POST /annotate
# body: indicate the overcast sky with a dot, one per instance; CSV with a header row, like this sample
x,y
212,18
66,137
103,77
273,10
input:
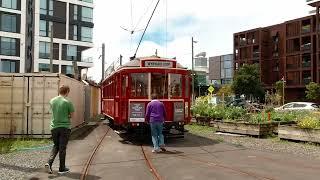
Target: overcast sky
x,y
211,23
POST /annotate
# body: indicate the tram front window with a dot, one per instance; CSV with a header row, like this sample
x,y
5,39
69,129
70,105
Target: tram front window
x,y
139,85
175,85
159,85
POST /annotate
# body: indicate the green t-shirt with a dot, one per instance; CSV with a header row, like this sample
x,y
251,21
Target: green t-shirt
x,y
61,109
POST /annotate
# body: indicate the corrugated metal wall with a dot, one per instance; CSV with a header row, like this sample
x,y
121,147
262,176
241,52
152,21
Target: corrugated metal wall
x,y
24,102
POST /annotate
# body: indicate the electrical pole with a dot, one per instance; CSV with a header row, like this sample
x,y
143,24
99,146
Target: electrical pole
x,y
192,71
51,49
103,61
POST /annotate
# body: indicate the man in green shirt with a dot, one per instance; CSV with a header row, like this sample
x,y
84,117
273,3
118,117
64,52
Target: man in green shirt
x,y
62,111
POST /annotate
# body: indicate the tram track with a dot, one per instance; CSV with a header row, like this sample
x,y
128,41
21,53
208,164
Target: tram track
x,y
87,165
146,158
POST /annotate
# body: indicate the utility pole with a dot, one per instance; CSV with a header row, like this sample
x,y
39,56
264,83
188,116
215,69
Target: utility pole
x,y
51,49
120,60
103,61
192,71
283,89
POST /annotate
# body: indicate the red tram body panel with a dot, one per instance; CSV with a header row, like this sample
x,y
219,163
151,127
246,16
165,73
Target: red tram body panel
x,y
127,91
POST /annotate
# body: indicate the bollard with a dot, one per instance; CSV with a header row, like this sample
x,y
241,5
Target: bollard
x,y
269,117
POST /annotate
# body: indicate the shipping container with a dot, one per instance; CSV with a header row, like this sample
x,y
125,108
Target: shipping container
x,y
92,101
24,103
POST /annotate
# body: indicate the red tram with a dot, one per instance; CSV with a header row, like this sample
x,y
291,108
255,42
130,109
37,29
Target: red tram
x,y
127,91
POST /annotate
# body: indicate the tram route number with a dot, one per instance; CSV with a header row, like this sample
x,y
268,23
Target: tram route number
x,y
136,112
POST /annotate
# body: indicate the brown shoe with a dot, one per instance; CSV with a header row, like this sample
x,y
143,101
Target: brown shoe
x,y
162,148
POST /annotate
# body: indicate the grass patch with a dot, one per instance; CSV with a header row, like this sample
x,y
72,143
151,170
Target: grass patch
x,y
199,129
10,145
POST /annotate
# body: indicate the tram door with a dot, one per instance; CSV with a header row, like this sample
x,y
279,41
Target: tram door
x,y
159,85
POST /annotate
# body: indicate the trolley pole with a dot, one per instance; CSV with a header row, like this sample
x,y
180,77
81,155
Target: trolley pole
x,y
51,50
103,61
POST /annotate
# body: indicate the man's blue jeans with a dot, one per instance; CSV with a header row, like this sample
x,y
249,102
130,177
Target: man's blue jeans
x,y
156,133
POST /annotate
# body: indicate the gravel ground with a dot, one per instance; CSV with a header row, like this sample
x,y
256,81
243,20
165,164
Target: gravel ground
x,y
271,144
18,165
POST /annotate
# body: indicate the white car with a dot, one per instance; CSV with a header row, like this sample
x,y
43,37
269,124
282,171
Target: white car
x,y
293,106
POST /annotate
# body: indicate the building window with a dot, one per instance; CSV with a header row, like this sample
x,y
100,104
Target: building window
x,y
45,28
75,32
86,14
75,12
10,66
8,46
8,22
88,1
68,70
46,7
11,4
46,68
71,52
44,50
86,34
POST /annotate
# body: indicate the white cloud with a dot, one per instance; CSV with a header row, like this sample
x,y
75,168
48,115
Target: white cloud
x,y
213,25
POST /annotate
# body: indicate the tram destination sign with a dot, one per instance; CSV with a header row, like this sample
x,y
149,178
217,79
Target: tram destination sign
x,y
164,64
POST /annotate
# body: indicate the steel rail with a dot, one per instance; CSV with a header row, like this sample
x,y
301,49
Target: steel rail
x,y
85,169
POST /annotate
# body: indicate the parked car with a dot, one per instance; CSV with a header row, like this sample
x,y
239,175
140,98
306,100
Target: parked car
x,y
294,106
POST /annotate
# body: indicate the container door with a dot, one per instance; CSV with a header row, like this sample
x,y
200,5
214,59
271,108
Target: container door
x,y
42,90
88,98
13,91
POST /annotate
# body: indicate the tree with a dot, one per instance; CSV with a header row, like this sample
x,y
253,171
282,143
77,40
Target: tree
x,y
313,91
225,90
247,82
279,88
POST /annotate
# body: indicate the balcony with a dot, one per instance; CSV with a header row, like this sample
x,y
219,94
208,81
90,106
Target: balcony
x,y
306,80
306,29
243,41
306,64
256,54
87,60
306,47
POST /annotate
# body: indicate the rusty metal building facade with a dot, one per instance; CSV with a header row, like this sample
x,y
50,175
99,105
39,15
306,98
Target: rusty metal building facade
x,y
289,50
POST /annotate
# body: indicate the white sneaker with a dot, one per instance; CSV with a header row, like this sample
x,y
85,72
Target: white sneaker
x,y
156,150
49,168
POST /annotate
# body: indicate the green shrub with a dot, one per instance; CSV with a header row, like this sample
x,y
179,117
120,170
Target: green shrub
x,y
309,122
233,113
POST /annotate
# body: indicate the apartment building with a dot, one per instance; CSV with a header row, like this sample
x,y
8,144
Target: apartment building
x,y
221,69
12,41
34,22
289,50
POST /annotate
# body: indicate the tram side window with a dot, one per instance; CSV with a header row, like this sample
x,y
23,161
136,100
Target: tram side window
x,y
175,85
159,85
139,85
124,85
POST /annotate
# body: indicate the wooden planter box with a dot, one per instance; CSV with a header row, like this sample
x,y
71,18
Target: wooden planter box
x,y
296,133
275,130
246,128
203,120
